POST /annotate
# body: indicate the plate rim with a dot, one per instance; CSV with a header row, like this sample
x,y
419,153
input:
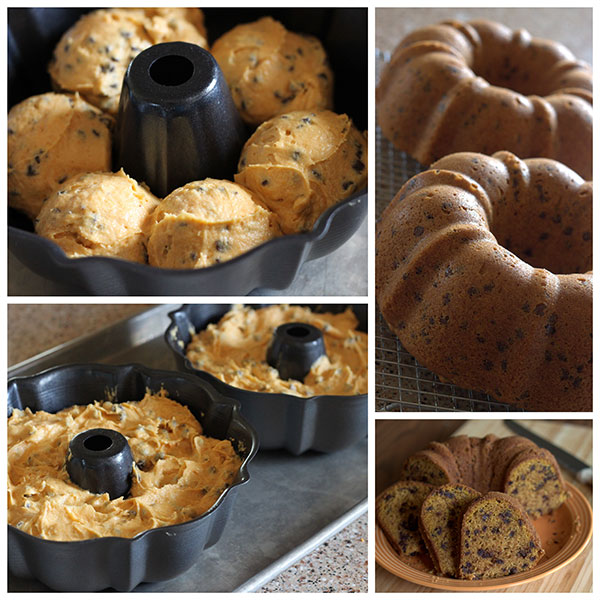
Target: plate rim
x,y
462,585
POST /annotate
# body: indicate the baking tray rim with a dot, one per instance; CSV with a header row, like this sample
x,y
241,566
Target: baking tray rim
x,y
282,562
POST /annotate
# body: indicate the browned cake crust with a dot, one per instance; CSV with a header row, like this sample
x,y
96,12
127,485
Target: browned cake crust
x,y
466,256
480,86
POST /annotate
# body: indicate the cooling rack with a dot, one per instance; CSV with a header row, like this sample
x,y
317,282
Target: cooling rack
x,y
401,383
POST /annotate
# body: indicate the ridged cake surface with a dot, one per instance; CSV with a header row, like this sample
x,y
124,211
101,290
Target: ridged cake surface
x,y
480,86
483,271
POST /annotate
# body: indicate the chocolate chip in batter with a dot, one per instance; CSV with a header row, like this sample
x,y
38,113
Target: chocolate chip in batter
x,y
358,166
222,246
31,171
284,99
347,184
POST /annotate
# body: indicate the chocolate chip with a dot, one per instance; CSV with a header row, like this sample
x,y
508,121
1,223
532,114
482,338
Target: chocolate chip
x,y
284,99
31,171
222,246
358,166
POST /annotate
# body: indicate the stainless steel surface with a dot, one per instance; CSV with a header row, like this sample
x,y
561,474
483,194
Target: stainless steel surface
x,y
565,459
290,505
341,273
401,383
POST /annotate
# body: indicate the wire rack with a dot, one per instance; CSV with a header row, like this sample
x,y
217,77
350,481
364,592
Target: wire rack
x,y
401,384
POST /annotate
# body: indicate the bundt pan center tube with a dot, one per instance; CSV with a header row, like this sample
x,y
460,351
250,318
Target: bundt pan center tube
x,y
156,554
294,349
177,121
483,271
177,124
100,460
323,423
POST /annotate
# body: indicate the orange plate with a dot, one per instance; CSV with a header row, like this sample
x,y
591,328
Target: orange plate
x,y
564,534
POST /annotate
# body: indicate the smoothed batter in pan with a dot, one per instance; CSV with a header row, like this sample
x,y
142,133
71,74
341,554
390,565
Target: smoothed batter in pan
x,y
235,349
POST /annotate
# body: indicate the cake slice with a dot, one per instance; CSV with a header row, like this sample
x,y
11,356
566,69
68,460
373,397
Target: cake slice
x,y
534,479
434,465
439,523
497,539
397,511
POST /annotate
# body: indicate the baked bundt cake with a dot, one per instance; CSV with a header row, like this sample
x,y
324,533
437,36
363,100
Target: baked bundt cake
x,y
397,511
513,465
480,86
440,523
497,539
466,256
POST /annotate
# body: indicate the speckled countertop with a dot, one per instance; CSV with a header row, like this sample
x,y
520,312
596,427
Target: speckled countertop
x,y
337,565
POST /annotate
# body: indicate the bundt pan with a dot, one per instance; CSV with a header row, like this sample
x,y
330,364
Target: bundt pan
x,y
33,33
320,423
154,555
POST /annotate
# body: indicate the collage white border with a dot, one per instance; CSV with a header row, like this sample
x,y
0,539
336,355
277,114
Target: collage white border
x,y
372,5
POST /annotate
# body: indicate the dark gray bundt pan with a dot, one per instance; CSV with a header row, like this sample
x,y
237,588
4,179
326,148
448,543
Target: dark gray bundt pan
x,y
321,423
154,555
33,32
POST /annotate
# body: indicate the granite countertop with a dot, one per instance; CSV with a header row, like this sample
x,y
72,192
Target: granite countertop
x,y
338,565
570,26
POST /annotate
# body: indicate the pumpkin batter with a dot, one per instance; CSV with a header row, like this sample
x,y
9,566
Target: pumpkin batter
x,y
235,349
178,473
271,70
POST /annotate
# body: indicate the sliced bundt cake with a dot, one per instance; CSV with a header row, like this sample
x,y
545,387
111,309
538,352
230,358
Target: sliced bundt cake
x,y
534,479
483,271
513,465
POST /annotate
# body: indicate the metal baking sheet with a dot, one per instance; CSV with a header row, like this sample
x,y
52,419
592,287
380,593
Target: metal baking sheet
x,y
289,506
